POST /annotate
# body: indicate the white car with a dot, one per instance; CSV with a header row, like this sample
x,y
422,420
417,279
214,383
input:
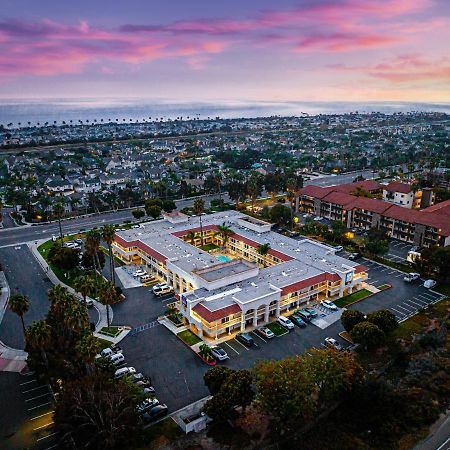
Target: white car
x,y
136,226
330,342
429,284
219,353
329,305
267,333
120,373
139,273
108,352
317,219
339,248
411,277
117,358
162,289
285,322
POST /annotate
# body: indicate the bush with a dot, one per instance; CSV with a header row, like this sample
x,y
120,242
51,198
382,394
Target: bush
x,y
350,318
384,320
138,213
368,335
64,258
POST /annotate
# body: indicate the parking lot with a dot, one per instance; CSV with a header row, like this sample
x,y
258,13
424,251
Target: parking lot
x,y
398,251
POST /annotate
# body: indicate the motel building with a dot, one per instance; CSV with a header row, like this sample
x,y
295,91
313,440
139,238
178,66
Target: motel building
x,y
231,284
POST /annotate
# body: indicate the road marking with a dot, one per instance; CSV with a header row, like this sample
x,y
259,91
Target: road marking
x,y
439,448
232,348
39,396
401,307
408,307
39,406
34,389
257,335
414,303
390,273
42,415
427,295
242,345
46,437
53,446
28,382
43,426
421,301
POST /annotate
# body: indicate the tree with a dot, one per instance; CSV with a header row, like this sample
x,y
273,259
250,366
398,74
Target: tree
x,y
263,250
108,296
92,248
384,320
215,377
138,213
350,318
58,210
199,208
377,242
281,214
254,187
96,412
168,205
85,285
108,234
19,304
154,211
337,228
38,337
236,191
205,352
64,258
87,348
368,335
225,232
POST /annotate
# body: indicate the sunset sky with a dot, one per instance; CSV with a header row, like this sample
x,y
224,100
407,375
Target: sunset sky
x,y
204,50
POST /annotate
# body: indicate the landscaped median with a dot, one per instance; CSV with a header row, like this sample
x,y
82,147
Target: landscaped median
x,y
358,296
277,329
201,349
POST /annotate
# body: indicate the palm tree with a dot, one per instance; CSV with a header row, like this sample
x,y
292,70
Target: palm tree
x,y
199,208
92,247
225,232
19,304
108,296
88,347
1,214
263,250
192,236
58,210
108,234
38,337
84,284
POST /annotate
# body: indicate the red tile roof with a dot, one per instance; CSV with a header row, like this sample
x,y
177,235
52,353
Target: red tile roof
x,y
367,185
371,204
396,186
211,316
127,244
315,191
340,198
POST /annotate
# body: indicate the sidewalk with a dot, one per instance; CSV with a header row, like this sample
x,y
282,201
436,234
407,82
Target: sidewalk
x,y
11,359
101,309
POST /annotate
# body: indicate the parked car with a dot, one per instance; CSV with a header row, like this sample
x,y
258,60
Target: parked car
x,y
285,322
317,219
148,389
297,320
305,316
311,311
78,241
120,373
329,305
109,351
146,404
162,289
155,413
266,332
139,273
330,342
117,358
219,353
354,256
89,303
339,248
412,276
246,339
147,278
429,284
136,377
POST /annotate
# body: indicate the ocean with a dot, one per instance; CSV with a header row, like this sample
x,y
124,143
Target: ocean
x,y
50,110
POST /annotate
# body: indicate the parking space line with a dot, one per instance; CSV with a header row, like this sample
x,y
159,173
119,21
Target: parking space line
x,y
39,406
398,312
414,303
401,307
34,389
42,415
423,302
39,396
390,273
409,307
43,426
257,335
232,348
46,437
242,345
426,295
28,382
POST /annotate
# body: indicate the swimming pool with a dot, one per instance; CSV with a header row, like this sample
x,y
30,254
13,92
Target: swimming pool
x,y
223,258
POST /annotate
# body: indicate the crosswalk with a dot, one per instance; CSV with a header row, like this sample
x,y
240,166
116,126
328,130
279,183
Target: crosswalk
x,y
144,327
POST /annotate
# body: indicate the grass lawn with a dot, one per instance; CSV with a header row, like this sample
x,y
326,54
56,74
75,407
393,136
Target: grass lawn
x,y
344,301
209,247
384,286
111,331
118,262
103,343
161,434
189,337
277,329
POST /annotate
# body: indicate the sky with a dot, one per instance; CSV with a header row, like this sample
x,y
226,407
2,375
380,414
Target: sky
x,y
210,50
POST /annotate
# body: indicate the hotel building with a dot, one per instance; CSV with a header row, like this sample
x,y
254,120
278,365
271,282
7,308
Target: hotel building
x,y
229,284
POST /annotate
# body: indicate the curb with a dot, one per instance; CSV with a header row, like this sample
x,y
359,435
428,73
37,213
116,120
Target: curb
x,y
209,363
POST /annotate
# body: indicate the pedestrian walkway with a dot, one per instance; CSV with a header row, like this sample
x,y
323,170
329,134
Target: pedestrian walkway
x,y
101,309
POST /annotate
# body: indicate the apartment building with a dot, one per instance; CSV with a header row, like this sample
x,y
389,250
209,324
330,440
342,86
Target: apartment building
x,y
232,282
427,227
